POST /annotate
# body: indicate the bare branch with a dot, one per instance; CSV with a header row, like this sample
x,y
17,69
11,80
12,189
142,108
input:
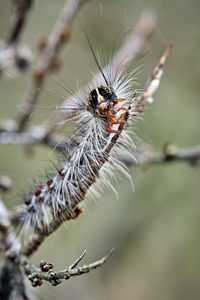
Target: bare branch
x,y
12,285
33,244
171,153
143,155
76,262
152,84
56,278
56,40
17,20
14,54
14,57
10,133
11,276
9,241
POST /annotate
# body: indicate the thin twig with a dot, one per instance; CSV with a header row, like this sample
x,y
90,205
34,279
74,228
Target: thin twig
x,y
56,40
152,83
20,9
12,284
9,241
14,54
171,153
11,276
76,262
36,134
10,134
55,278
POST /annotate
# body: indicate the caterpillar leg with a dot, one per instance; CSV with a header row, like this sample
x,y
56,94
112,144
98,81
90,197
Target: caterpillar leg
x,y
117,121
112,130
121,100
113,121
120,117
122,108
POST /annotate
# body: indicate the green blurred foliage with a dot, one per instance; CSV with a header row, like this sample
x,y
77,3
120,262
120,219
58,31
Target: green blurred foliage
x,y
155,229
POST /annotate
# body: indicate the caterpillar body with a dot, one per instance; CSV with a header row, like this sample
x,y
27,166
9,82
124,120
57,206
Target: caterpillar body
x,y
101,113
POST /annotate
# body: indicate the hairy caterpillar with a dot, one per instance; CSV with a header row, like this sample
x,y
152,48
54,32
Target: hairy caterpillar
x,y
101,113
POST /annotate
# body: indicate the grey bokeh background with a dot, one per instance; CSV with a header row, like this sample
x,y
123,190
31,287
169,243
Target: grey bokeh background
x,y
155,230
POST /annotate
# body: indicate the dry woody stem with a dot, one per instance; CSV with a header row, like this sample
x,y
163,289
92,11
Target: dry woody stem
x,y
152,83
58,37
20,9
170,154
55,278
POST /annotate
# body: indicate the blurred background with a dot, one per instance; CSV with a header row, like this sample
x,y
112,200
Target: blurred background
x,y
155,229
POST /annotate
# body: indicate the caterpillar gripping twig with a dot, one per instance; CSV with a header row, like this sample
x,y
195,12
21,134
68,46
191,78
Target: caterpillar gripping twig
x,y
102,119
100,116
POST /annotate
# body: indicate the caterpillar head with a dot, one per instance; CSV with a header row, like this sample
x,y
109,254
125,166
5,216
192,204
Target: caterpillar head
x,y
101,100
